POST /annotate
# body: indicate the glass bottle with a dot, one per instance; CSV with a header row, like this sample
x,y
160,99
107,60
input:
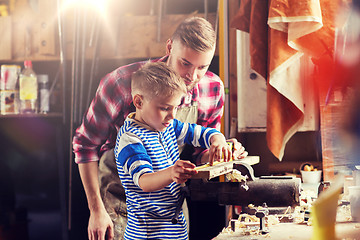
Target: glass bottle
x,y
28,89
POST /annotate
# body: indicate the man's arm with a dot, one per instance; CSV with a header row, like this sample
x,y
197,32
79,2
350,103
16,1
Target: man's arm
x,y
214,121
110,105
92,133
99,222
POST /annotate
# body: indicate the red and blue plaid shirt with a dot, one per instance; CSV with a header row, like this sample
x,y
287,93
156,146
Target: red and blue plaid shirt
x,y
113,102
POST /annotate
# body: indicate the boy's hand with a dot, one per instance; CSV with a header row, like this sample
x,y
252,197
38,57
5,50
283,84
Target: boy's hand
x,y
219,149
182,171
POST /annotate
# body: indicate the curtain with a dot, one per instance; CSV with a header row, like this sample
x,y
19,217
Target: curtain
x,y
281,31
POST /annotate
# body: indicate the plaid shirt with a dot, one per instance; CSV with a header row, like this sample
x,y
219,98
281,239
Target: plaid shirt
x,y
113,102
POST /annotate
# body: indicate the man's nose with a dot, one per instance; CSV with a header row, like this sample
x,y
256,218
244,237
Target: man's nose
x,y
191,74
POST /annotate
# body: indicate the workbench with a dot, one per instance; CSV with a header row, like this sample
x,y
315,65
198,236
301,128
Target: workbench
x,y
295,231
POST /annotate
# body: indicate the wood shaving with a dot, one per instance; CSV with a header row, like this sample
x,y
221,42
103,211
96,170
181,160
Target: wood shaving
x,y
236,176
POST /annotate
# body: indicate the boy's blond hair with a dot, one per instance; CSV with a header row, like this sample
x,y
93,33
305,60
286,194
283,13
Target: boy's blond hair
x,y
156,79
196,33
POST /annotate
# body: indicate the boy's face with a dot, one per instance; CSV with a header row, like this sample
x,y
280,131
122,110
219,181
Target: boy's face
x,y
158,112
188,63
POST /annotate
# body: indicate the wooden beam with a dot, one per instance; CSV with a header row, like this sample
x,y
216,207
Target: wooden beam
x,y
46,27
233,8
5,38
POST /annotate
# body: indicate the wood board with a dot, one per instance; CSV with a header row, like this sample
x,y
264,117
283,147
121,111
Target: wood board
x,y
207,172
216,170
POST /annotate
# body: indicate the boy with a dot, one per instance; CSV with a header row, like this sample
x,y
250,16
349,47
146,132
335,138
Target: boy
x,y
147,154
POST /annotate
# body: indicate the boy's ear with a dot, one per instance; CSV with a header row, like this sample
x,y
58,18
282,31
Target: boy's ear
x,y
138,101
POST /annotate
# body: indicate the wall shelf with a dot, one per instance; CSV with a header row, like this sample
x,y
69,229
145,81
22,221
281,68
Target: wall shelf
x,y
32,115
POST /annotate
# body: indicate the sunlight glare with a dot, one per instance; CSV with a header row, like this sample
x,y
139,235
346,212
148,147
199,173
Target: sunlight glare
x,y
99,5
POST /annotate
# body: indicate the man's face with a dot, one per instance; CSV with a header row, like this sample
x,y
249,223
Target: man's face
x,y
159,112
190,64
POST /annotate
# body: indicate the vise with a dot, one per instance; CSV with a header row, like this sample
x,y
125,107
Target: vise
x,y
274,191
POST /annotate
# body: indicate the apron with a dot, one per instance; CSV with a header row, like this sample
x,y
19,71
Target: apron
x,y
111,190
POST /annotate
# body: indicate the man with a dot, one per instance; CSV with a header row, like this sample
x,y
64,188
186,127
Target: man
x,y
189,52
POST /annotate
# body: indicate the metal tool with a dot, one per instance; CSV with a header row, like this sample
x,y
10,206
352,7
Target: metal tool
x,y
261,214
275,192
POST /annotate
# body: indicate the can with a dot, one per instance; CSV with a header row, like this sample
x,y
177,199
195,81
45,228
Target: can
x,y
9,93
9,76
9,101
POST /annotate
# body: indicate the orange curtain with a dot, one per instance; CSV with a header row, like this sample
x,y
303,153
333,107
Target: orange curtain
x,y
292,27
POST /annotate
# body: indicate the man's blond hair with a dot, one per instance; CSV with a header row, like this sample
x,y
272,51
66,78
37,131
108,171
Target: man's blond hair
x,y
196,33
156,79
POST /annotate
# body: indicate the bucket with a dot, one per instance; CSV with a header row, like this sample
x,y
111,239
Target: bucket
x,y
354,193
311,176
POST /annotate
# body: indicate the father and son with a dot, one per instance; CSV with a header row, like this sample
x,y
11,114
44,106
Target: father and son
x,y
147,128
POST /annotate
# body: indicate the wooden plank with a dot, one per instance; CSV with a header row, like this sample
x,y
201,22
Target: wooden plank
x,y
251,160
136,36
208,172
34,33
5,38
218,169
130,37
22,27
46,27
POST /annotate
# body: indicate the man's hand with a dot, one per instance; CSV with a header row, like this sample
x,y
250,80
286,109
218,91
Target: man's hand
x,y
182,171
100,226
238,150
100,223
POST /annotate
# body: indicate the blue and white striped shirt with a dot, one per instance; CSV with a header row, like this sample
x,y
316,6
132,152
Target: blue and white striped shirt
x,y
141,150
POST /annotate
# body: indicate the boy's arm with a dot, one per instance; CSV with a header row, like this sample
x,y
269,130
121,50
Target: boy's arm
x,y
180,172
193,134
131,155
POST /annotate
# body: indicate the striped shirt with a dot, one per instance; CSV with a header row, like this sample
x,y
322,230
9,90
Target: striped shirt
x,y
140,150
113,102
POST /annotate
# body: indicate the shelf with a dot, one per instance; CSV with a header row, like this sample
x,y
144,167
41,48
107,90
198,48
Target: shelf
x,y
33,115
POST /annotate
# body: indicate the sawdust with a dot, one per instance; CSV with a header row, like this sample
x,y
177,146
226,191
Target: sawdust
x,y
236,176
